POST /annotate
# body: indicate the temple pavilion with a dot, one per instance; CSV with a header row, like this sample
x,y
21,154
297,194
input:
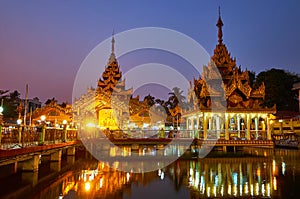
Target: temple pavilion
x,y
225,103
111,105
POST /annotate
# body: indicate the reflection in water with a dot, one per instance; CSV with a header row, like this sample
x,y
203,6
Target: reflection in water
x,y
231,177
273,174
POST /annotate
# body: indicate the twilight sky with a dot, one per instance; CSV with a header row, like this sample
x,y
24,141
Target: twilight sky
x,y
43,43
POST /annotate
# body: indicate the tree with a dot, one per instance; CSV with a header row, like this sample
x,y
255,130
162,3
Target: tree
x,y
150,100
251,77
53,100
11,101
278,89
176,97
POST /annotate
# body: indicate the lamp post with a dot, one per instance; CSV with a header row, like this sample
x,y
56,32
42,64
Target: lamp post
x,y
64,138
19,122
42,130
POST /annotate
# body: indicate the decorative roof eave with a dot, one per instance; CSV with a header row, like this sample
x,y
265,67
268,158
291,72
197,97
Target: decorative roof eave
x,y
230,110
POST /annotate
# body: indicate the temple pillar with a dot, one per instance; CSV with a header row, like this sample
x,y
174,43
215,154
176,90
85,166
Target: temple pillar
x,y
269,133
205,126
248,118
226,127
238,120
197,130
256,126
218,126
193,128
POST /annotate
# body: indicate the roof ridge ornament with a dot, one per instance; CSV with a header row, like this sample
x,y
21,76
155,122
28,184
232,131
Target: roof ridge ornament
x,y
112,57
219,25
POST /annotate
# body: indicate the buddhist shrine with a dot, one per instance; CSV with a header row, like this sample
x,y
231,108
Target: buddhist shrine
x,y
225,103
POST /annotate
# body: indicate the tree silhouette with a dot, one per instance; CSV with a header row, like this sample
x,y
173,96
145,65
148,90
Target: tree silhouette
x,y
278,89
11,101
53,100
150,100
176,97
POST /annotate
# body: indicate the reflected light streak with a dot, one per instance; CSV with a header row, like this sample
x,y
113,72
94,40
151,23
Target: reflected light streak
x,y
229,189
246,188
268,190
251,189
197,179
101,183
162,176
87,186
283,168
222,190
241,189
235,190
263,191
274,166
274,183
256,189
215,190
127,176
208,191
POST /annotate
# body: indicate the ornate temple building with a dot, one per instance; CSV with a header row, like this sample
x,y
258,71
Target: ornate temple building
x,y
225,103
111,105
53,113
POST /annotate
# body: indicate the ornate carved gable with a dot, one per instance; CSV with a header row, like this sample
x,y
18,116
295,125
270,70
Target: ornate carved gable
x,y
223,60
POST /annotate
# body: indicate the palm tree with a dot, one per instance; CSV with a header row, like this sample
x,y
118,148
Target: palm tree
x,y
176,97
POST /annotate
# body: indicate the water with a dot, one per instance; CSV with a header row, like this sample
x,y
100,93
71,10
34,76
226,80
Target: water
x,y
256,173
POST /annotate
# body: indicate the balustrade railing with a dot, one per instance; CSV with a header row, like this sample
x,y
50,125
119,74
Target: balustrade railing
x,y
199,134
20,136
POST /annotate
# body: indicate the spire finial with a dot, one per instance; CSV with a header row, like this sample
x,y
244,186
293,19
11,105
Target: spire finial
x,y
113,42
219,25
112,57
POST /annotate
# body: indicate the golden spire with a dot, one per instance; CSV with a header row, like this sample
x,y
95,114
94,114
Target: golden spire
x,y
112,57
113,42
219,25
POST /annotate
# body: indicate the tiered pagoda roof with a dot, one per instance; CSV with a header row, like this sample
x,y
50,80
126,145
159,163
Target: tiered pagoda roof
x,y
224,82
111,77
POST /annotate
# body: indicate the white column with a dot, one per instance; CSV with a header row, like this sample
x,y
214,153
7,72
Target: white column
x,y
238,120
256,126
268,129
209,123
205,126
218,126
